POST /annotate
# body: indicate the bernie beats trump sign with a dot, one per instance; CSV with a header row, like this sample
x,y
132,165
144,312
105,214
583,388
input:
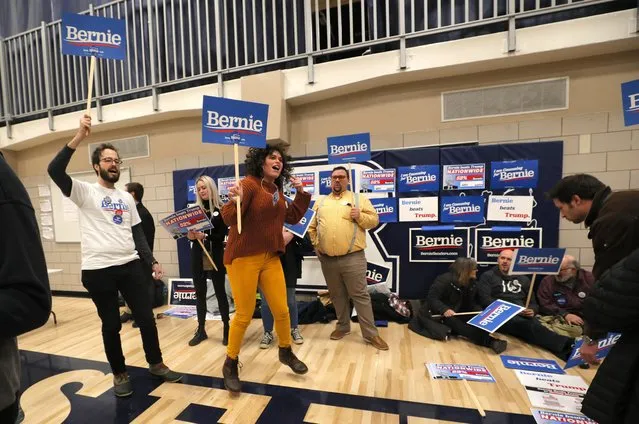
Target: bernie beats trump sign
x,y
84,35
228,121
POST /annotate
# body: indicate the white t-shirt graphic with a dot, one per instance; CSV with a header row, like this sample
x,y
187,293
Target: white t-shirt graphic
x,y
106,218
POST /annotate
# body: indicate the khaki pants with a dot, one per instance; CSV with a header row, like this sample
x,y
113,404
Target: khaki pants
x,y
346,279
559,325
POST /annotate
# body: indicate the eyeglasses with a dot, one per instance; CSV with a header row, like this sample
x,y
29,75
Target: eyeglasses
x,y
111,161
338,177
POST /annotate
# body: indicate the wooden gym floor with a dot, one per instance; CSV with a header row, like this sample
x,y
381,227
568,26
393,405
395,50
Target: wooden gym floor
x,y
65,377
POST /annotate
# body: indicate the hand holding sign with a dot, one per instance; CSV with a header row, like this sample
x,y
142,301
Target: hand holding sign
x,y
158,272
355,213
235,193
195,235
588,352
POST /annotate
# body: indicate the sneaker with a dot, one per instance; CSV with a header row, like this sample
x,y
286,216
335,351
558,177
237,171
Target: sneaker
x,y
122,385
163,372
297,336
267,339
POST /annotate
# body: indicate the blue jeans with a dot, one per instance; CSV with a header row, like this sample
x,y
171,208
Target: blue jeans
x,y
267,317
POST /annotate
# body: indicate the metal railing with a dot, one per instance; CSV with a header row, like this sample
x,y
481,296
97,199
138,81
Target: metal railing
x,y
173,44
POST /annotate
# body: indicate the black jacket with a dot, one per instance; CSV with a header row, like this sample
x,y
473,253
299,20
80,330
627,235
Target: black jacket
x,y
493,285
446,293
612,306
25,296
292,259
148,225
214,243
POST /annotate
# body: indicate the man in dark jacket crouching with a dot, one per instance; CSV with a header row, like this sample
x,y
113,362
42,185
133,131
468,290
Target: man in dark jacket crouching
x,y
613,304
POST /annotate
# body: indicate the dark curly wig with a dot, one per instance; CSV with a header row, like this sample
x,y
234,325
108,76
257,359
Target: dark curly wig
x,y
255,158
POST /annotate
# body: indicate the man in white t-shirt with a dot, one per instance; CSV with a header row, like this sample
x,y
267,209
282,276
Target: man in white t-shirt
x,y
113,245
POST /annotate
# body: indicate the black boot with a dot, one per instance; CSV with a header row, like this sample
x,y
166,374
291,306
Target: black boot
x,y
200,335
287,357
225,337
231,375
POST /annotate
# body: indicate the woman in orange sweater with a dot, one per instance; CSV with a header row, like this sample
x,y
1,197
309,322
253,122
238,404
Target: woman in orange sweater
x,y
252,258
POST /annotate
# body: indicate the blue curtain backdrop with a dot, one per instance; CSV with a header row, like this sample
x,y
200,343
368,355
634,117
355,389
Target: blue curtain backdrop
x,y
416,277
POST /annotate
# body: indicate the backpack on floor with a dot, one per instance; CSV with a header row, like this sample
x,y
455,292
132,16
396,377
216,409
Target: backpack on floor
x,y
160,293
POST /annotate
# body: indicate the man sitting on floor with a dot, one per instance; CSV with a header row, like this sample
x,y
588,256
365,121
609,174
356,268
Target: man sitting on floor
x,y
561,298
497,284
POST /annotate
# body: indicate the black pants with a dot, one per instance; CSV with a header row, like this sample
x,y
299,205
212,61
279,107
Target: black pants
x,y
220,294
460,327
10,413
103,286
531,331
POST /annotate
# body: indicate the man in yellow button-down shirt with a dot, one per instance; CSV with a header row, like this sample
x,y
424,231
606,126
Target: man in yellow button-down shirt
x,y
338,233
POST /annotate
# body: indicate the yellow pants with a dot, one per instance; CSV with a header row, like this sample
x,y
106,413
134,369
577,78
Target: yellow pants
x,y
245,274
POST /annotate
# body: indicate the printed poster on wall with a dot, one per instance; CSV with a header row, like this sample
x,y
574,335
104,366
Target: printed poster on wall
x,y
386,209
418,178
223,185
490,241
630,102
464,177
376,274
514,174
438,244
308,182
510,208
325,182
412,209
462,209
377,181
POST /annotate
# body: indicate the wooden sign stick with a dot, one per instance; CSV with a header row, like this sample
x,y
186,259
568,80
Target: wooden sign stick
x,y
90,82
530,290
474,398
207,254
459,313
237,179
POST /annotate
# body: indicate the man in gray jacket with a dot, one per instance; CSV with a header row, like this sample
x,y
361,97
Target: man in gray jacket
x,y
25,297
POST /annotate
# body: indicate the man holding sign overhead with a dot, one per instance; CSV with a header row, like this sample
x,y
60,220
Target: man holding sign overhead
x,y
113,242
252,256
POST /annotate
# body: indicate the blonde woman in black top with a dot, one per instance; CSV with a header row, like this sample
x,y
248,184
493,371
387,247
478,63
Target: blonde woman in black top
x,y
213,240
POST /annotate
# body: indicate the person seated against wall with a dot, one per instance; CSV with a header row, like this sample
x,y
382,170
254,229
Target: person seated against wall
x,y
496,284
455,292
292,266
561,298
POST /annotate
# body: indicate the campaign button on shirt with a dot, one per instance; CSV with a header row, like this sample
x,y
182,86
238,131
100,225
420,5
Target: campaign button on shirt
x,y
117,219
581,295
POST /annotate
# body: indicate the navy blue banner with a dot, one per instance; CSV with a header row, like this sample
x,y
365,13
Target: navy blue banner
x,y
462,209
438,244
349,148
386,209
539,261
418,178
515,174
490,241
190,186
228,121
630,101
85,35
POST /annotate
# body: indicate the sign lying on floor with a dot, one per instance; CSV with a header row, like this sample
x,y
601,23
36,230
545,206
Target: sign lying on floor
x,y
551,391
459,372
603,348
532,364
550,417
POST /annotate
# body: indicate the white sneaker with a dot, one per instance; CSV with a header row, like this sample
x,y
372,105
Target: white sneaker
x,y
267,339
297,336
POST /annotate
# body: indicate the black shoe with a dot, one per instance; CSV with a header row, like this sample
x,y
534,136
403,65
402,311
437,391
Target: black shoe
x,y
225,337
200,335
287,357
125,316
122,385
231,375
498,346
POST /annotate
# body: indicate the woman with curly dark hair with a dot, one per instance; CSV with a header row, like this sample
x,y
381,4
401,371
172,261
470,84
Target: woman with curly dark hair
x,y
252,257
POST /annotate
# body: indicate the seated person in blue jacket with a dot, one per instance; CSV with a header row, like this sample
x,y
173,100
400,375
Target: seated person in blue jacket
x,y
292,266
455,292
497,284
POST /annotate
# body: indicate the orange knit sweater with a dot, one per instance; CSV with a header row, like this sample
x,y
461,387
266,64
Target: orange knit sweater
x,y
262,221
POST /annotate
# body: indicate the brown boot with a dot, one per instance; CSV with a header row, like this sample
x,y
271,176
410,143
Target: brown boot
x,y
287,357
231,375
